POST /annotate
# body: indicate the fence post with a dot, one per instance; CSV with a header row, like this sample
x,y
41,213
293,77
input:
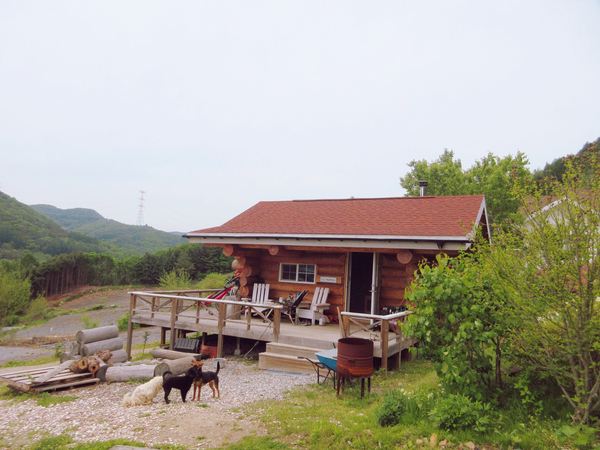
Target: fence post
x,y
221,325
174,306
276,324
132,302
385,328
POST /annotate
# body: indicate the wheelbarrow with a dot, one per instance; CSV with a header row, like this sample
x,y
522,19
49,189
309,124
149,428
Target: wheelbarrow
x,y
326,366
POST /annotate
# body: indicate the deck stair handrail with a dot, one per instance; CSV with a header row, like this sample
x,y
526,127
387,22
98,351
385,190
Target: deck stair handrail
x,y
377,326
167,303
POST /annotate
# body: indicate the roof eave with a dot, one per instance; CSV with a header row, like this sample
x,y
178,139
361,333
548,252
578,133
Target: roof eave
x,y
342,241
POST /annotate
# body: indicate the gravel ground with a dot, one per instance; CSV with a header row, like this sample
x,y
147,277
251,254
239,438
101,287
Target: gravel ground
x,y
97,413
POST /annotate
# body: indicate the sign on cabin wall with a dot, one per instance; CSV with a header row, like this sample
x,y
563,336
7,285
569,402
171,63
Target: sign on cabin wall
x,y
328,280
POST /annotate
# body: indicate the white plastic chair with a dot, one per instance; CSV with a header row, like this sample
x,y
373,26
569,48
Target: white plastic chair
x,y
317,306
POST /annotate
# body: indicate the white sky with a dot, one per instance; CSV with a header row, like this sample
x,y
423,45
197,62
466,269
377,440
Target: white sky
x,y
211,107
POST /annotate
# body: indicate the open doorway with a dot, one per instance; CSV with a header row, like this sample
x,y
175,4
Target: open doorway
x,y
361,278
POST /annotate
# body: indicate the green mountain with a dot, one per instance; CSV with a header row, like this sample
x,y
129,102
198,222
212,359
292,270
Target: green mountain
x,y
89,223
24,230
139,238
69,219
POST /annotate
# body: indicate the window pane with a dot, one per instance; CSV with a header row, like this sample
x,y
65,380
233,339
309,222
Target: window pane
x,y
288,272
306,273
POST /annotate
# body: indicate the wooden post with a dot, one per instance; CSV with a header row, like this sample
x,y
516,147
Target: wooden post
x,y
276,324
346,324
153,307
248,317
174,306
222,319
385,328
163,336
132,301
197,312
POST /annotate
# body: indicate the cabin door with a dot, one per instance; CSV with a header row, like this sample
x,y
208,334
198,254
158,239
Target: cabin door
x,y
362,283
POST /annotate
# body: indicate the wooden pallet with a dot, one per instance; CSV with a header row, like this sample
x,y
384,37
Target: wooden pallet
x,y
24,380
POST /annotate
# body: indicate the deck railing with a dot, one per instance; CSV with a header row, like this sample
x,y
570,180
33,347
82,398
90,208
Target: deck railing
x,y
378,328
188,304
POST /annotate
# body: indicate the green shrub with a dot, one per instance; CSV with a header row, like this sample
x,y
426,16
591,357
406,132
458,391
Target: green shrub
x,y
459,412
393,407
175,280
87,323
123,323
214,281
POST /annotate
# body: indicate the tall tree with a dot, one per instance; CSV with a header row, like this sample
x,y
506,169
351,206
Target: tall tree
x,y
491,176
549,272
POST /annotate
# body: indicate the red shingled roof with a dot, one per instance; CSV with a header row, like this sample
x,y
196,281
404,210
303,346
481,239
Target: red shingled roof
x,y
401,216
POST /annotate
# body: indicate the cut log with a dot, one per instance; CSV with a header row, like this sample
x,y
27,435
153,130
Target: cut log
x,y
411,269
97,334
93,364
278,250
171,354
248,261
250,271
244,291
78,366
249,281
67,356
404,256
75,348
129,373
108,344
101,373
118,356
235,265
228,249
103,355
175,366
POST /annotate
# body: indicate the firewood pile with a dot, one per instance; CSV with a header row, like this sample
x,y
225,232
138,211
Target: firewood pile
x,y
89,342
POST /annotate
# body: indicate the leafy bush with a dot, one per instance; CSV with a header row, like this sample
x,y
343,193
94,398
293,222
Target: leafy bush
x,y
123,323
214,281
457,411
87,323
393,407
175,280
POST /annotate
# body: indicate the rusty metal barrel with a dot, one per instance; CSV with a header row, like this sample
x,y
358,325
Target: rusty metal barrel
x,y
355,358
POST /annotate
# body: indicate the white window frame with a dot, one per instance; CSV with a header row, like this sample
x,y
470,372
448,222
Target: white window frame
x,y
297,273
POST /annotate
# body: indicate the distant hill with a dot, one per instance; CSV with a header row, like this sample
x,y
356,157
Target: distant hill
x,y
140,239
69,219
556,168
24,230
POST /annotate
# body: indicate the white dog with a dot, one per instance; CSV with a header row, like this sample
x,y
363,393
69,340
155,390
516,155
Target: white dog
x,y
144,393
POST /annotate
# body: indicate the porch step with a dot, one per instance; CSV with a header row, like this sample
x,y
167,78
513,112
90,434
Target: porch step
x,y
286,357
292,350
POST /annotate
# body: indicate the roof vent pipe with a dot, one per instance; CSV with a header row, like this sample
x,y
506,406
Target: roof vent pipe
x,y
423,187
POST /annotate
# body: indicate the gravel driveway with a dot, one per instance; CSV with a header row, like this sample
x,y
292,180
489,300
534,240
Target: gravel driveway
x,y
97,413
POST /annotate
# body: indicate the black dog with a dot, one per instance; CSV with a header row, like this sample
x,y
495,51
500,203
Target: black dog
x,y
181,382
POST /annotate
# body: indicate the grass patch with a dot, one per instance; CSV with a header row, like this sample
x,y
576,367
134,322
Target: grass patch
x,y
314,418
45,399
65,442
31,362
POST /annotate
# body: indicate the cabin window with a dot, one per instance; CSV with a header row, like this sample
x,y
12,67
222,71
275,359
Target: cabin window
x,y
298,273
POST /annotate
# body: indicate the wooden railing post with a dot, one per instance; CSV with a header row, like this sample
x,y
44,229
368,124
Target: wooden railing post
x,y
346,323
153,307
385,328
276,324
221,325
174,306
132,302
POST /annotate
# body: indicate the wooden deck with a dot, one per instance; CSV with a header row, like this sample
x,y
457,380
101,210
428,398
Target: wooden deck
x,y
190,311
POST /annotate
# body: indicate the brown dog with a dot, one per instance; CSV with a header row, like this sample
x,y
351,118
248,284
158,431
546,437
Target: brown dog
x,y
202,378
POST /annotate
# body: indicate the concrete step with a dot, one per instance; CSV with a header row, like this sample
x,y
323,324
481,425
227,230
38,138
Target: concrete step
x,y
288,363
292,350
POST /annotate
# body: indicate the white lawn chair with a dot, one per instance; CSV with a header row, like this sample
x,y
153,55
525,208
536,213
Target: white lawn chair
x,y
260,295
314,311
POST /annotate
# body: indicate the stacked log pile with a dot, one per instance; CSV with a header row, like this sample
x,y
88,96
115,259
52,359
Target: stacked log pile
x,y
90,342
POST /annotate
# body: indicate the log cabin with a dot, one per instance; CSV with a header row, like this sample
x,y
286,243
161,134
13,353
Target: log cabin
x,y
366,251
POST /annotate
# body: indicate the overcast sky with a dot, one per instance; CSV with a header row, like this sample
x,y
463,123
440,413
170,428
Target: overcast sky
x,y
211,107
